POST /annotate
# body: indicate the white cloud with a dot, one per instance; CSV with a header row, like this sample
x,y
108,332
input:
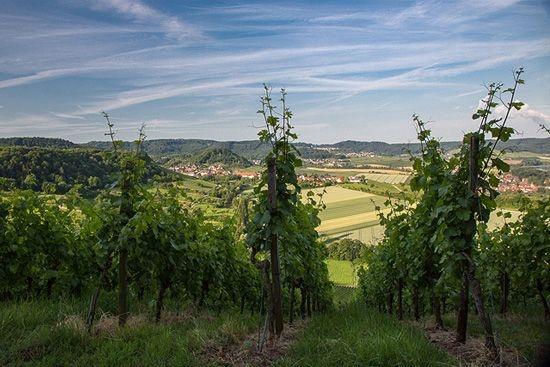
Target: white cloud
x,y
142,12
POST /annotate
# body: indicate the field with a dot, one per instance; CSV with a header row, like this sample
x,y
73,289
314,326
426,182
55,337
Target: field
x,y
351,214
348,210
342,272
374,174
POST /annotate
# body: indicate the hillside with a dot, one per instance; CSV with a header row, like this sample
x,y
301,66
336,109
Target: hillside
x,y
254,149
219,155
37,142
56,170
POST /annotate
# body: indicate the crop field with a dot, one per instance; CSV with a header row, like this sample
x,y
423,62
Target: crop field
x,y
351,214
388,161
347,210
342,272
374,174
368,235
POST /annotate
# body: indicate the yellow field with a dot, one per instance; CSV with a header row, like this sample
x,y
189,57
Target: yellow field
x,y
336,193
374,174
347,210
350,220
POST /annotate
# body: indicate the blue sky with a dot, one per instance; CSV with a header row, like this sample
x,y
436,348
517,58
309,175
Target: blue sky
x,y
194,69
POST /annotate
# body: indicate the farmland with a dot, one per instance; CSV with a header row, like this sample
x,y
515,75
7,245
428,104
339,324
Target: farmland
x,y
348,210
351,214
375,174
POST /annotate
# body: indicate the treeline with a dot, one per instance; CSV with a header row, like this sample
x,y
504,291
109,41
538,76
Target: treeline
x,y
30,142
57,170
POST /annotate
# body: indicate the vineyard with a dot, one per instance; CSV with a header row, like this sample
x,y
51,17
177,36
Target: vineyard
x,y
358,274
438,248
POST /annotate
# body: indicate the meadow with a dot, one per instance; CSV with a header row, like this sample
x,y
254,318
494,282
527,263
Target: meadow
x,y
342,272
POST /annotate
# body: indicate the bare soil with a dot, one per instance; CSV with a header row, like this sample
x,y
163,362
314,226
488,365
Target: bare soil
x,y
246,352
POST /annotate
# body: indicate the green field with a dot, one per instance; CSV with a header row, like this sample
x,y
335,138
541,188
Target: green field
x,y
342,272
347,210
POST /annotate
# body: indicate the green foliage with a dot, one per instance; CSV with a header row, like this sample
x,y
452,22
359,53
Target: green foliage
x,y
39,250
427,244
301,252
57,170
346,249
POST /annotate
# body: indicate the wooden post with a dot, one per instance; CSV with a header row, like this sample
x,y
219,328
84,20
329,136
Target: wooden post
x,y
127,212
400,299
462,317
275,271
95,295
474,282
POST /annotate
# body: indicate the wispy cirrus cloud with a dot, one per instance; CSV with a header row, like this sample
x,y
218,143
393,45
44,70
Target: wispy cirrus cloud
x,y
140,57
141,12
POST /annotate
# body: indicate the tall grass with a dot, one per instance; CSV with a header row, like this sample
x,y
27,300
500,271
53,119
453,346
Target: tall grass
x,y
51,333
356,336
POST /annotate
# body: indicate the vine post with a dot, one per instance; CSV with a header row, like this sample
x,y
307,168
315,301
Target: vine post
x,y
275,271
476,286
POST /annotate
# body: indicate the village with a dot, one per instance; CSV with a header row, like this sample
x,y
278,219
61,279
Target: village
x,y
511,183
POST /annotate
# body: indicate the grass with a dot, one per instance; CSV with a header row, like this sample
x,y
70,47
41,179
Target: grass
x,y
49,333
356,336
523,331
390,161
342,272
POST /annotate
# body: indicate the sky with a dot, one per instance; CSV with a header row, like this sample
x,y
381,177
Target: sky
x,y
353,70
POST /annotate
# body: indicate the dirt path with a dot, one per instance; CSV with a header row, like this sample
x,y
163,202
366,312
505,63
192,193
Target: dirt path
x,y
246,353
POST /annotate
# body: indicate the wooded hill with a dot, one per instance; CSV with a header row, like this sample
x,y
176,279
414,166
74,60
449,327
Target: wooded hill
x,y
208,157
254,149
56,170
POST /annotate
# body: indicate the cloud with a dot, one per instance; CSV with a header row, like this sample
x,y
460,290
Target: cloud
x,y
141,12
137,57
530,113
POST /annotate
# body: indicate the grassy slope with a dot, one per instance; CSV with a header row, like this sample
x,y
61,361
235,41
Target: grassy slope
x,y
356,336
341,272
34,333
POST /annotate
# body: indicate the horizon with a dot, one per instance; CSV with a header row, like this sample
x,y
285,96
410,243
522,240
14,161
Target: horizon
x,y
352,71
246,140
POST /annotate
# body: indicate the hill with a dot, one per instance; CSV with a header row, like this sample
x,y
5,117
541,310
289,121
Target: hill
x,y
56,170
220,155
254,149
37,142
535,145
